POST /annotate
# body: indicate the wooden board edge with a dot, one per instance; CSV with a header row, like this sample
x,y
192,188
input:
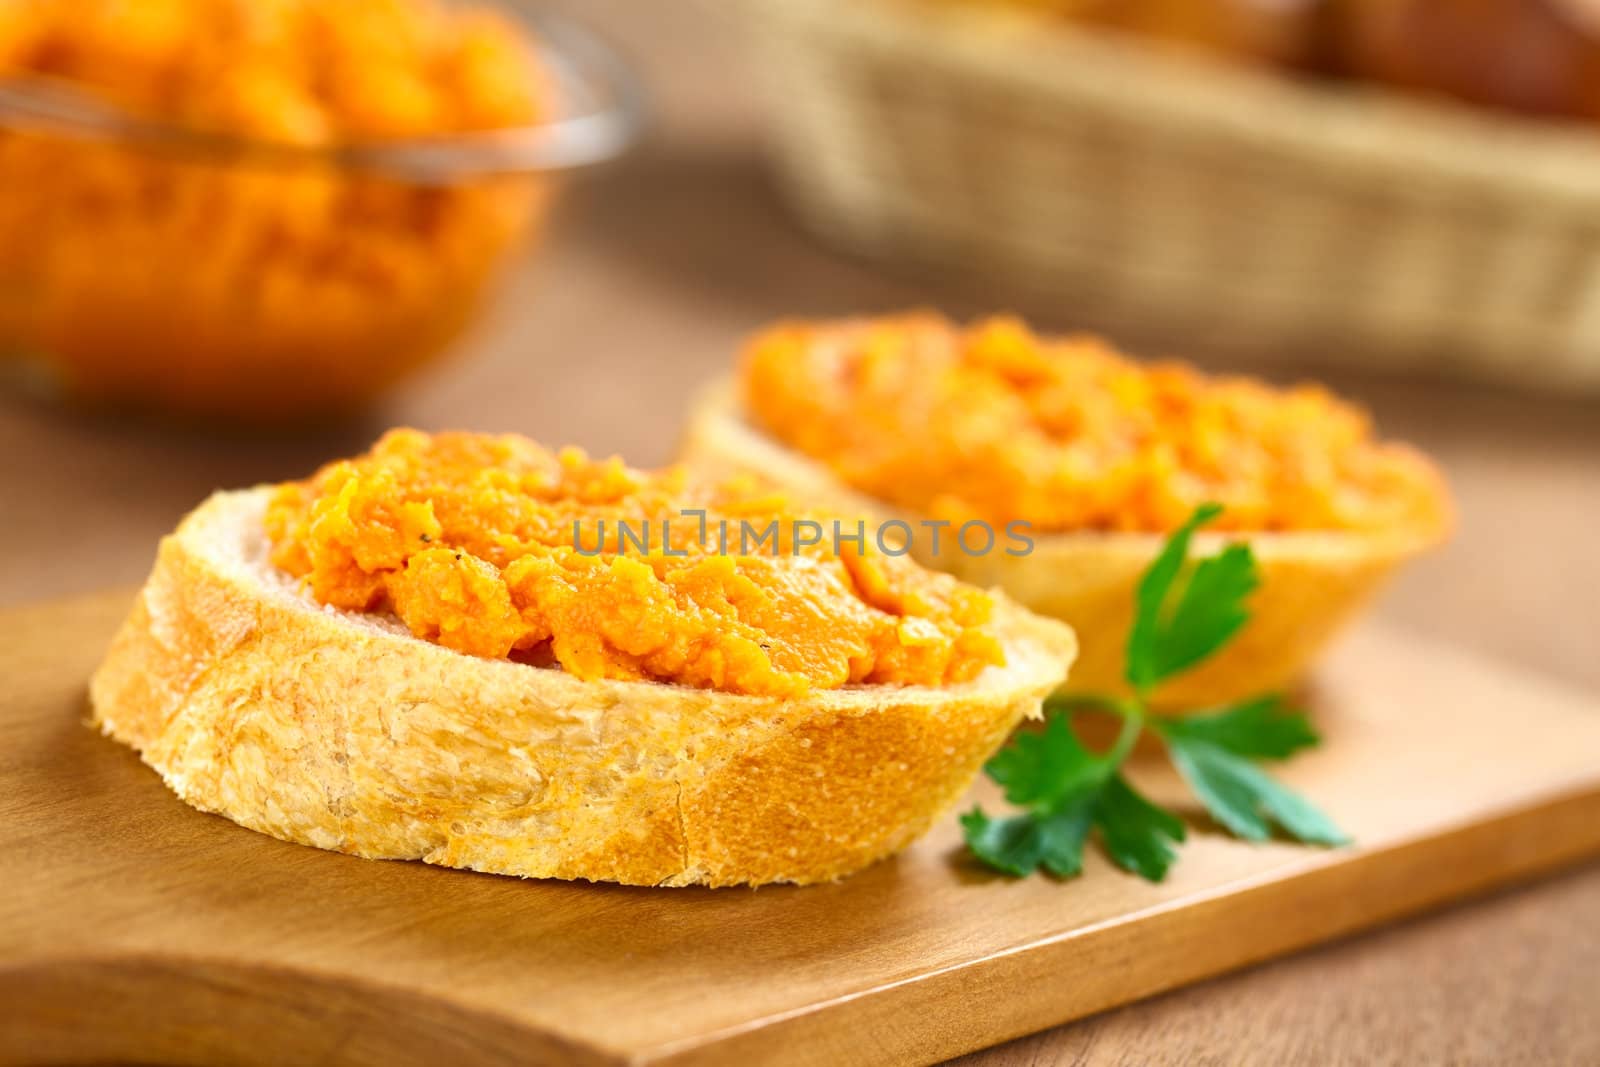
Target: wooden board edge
x,y
975,1005
150,1008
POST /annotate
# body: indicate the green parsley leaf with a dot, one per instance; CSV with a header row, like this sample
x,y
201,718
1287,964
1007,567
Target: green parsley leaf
x,y
1134,831
1182,615
1152,594
1020,844
1263,728
1208,610
1137,834
1040,769
1242,797
1066,830
1013,845
1067,791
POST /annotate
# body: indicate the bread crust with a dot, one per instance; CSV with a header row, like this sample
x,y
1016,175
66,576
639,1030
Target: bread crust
x,y
347,733
1312,583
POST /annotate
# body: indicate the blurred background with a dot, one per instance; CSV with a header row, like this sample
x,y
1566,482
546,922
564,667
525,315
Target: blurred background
x,y
1399,197
1230,181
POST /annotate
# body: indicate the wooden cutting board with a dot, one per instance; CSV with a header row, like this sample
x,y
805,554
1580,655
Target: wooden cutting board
x,y
136,929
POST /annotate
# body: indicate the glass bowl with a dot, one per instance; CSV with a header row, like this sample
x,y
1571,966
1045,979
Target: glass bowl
x,y
158,267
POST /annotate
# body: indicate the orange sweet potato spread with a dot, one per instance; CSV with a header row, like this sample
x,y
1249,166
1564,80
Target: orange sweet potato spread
x,y
992,422
305,72
254,284
495,546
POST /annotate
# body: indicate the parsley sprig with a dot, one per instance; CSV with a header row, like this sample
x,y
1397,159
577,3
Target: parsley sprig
x,y
1185,612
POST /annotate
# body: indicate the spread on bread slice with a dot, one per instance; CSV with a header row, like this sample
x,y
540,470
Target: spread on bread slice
x,y
1087,459
480,653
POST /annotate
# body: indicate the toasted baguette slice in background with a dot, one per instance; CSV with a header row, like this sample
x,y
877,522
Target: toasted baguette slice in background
x,y
1311,583
346,732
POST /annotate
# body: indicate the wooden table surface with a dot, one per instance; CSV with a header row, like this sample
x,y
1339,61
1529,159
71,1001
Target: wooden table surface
x,y
655,269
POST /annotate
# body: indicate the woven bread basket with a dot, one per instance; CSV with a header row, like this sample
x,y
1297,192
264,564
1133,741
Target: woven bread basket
x,y
1149,189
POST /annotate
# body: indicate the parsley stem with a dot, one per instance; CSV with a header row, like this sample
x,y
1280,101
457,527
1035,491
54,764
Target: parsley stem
x,y
1132,712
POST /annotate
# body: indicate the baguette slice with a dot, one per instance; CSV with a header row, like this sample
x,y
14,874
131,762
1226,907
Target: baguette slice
x,y
1311,583
345,732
